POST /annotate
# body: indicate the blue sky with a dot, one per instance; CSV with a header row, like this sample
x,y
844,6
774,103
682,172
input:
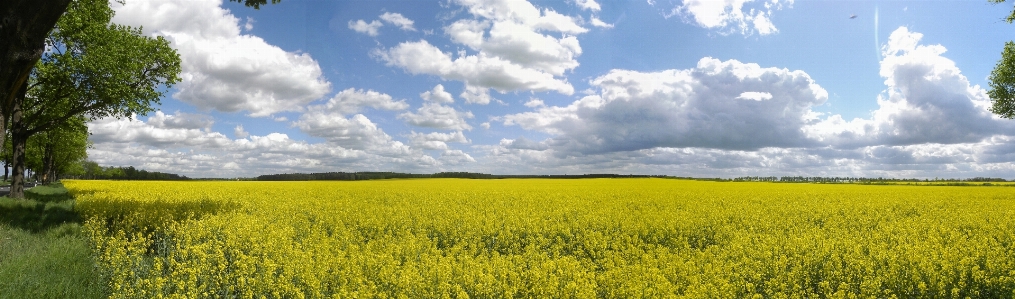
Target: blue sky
x,y
688,88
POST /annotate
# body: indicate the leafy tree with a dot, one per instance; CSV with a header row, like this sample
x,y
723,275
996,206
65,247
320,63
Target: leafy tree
x,y
93,69
1002,83
1002,78
58,150
24,27
90,170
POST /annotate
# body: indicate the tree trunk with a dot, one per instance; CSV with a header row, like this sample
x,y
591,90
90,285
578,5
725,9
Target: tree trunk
x,y
24,25
47,164
18,140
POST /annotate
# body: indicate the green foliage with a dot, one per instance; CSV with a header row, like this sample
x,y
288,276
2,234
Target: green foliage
x,y
98,69
92,171
1008,19
256,4
65,146
1002,83
1002,78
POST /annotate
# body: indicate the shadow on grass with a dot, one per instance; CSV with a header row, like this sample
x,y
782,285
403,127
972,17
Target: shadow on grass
x,y
41,209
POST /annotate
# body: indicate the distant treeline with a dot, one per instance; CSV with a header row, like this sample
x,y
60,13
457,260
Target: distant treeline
x,y
92,171
358,176
854,180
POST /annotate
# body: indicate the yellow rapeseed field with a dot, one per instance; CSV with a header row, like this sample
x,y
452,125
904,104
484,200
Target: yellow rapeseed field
x,y
532,238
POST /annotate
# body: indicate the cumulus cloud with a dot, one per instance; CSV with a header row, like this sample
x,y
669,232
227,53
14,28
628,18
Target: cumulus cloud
x,y
437,116
755,96
373,28
330,121
198,153
731,16
699,107
362,26
927,100
356,132
161,130
398,20
516,47
239,132
454,157
523,144
595,21
534,102
588,5
748,120
222,68
436,140
479,72
181,120
353,100
438,95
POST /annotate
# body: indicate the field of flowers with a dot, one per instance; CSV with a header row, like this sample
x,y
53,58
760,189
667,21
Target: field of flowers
x,y
531,238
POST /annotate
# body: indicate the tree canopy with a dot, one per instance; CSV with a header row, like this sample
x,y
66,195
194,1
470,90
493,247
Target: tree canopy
x,y
93,69
1002,78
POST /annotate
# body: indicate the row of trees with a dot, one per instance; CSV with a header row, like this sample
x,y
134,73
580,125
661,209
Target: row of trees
x,y
89,68
803,179
63,63
359,176
92,171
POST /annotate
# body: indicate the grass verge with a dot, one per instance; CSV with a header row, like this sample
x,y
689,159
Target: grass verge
x,y
43,252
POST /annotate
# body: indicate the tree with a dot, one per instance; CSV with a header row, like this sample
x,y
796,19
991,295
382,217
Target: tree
x,y
24,26
93,69
1002,83
58,150
1002,78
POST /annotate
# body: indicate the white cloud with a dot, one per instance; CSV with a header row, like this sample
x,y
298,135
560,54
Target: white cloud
x,y
200,153
523,144
927,100
436,140
754,96
239,132
161,130
222,68
476,95
356,132
599,23
353,100
699,107
931,123
517,47
534,103
438,95
588,5
330,121
398,20
249,25
479,72
730,16
366,28
181,121
437,116
454,157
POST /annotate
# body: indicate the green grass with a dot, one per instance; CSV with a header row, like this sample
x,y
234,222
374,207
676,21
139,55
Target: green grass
x,y
43,252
